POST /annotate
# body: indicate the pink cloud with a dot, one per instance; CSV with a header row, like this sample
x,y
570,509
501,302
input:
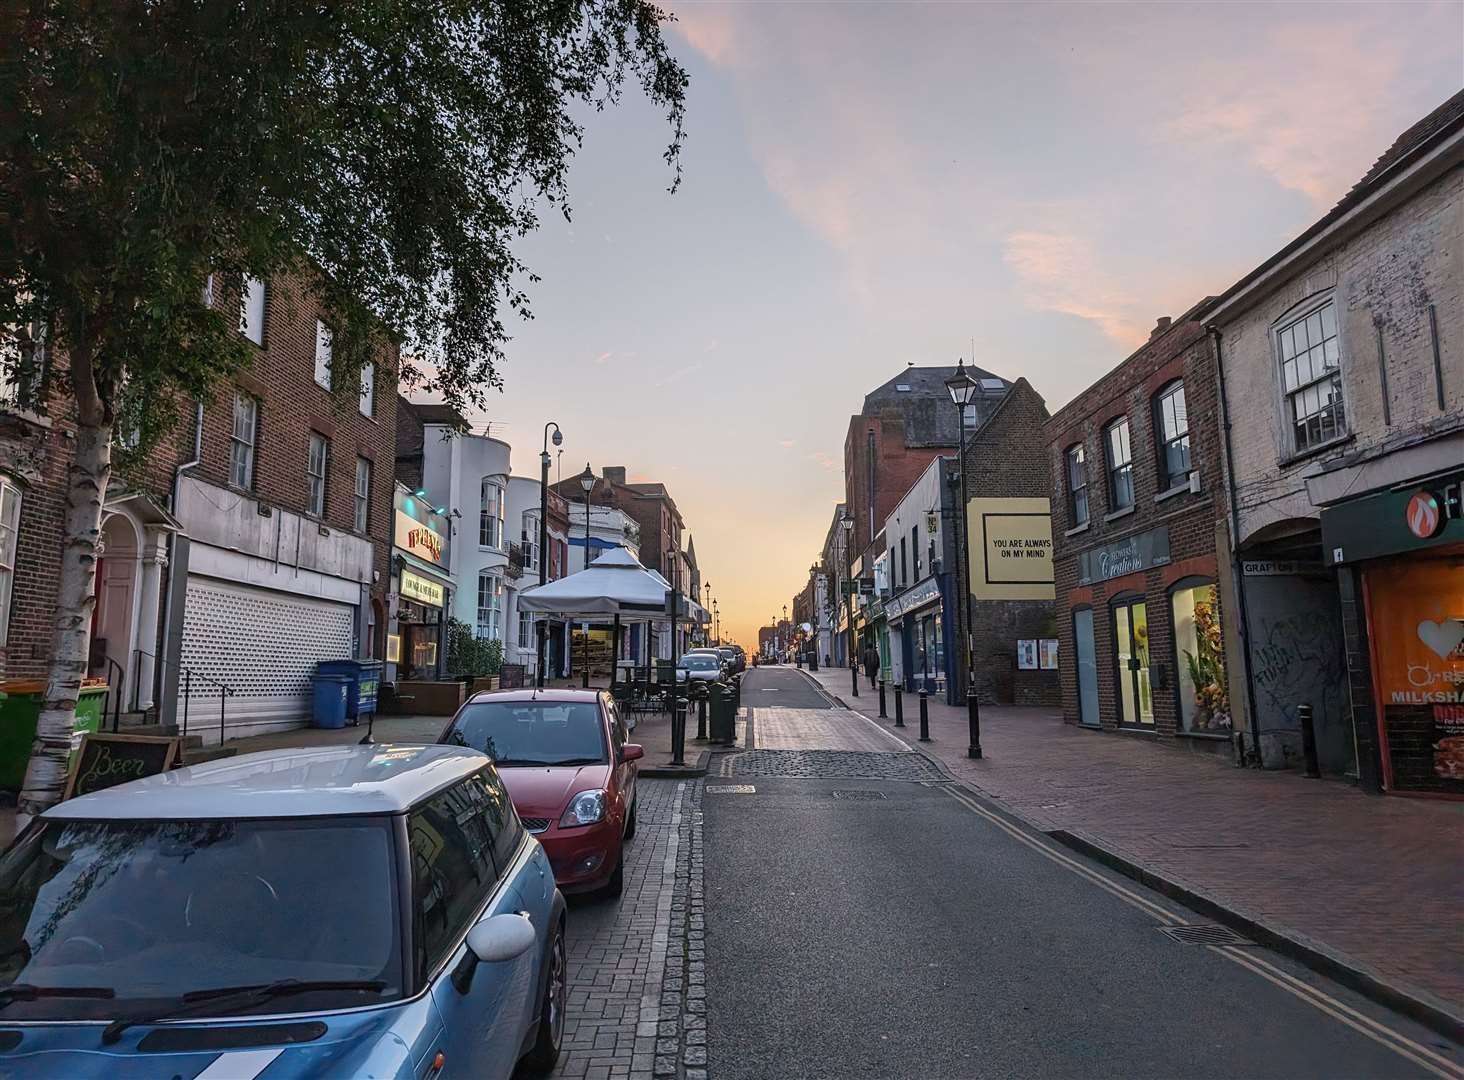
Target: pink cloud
x,y
1057,271
604,357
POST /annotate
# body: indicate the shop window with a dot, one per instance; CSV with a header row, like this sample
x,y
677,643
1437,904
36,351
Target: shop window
x,y
490,515
1171,425
363,494
915,549
315,474
1077,483
1204,698
1120,465
9,529
490,606
242,441
525,630
1311,376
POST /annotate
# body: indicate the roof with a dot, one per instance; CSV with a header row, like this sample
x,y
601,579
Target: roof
x,y
316,781
436,413
919,396
1444,116
531,694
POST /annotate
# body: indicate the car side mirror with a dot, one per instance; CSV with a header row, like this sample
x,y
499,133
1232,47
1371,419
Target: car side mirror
x,y
632,752
492,941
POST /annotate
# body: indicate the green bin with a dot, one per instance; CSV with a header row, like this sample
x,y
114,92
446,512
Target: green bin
x,y
722,721
20,705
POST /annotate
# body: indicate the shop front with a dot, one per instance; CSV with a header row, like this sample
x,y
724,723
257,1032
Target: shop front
x,y
416,643
919,629
1407,547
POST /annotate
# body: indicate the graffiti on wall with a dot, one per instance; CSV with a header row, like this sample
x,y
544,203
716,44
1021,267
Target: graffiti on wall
x,y
1298,659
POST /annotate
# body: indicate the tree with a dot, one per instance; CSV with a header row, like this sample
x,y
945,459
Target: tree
x,y
388,151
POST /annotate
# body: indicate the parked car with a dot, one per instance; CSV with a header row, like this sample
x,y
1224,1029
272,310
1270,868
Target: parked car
x,y
567,761
701,667
330,912
733,656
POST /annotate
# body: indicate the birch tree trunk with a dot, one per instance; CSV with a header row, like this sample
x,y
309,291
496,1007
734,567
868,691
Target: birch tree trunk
x,y
86,485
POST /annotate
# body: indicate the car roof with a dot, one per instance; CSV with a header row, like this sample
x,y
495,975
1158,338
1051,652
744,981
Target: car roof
x,y
530,693
314,781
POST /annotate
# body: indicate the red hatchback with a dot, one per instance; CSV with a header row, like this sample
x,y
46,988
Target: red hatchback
x,y
569,767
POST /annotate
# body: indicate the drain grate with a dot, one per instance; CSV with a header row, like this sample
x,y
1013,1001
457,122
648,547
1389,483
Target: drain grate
x,y
1204,935
731,789
858,795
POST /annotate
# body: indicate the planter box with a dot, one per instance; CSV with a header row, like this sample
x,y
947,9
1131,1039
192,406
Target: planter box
x,y
483,682
430,698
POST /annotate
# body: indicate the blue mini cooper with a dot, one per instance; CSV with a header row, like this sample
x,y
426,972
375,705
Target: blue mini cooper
x,y
342,912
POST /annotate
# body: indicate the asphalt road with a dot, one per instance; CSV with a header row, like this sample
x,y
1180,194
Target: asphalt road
x,y
780,687
901,933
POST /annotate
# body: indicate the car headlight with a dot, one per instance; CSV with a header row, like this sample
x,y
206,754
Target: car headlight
x,y
586,808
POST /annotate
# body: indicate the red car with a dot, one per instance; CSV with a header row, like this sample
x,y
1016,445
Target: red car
x,y
569,767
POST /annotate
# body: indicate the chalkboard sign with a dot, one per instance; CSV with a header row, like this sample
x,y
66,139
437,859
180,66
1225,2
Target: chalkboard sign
x,y
511,676
104,761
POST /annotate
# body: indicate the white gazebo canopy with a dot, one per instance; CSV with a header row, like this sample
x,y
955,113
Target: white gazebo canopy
x,y
614,584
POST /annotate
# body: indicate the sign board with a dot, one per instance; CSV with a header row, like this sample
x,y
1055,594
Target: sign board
x,y
1128,556
423,590
1279,567
1047,654
1011,549
425,543
1027,654
108,760
1393,522
914,597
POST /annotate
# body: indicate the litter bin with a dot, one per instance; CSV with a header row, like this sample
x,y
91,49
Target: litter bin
x,y
722,723
364,687
20,705
329,694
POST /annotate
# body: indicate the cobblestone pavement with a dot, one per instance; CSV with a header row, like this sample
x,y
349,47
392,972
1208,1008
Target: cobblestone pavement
x,y
1373,882
829,764
637,992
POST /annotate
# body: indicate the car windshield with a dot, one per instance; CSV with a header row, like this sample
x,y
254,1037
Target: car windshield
x,y
145,912
699,663
517,733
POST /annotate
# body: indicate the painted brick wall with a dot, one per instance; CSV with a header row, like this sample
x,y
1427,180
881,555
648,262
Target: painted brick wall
x,y
1185,352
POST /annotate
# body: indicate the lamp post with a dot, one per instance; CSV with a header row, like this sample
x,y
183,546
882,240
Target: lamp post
x,y
785,635
707,632
587,483
542,630
963,390
717,621
848,523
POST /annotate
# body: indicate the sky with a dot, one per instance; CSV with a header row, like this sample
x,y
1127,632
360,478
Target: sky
x,y
872,184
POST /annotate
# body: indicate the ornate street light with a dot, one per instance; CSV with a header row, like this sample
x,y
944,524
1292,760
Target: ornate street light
x,y
963,391
587,482
542,630
847,521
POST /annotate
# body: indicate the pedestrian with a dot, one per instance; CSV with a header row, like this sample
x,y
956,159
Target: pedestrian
x,y
871,663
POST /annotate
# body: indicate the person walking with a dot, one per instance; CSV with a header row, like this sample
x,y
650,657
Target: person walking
x,y
871,663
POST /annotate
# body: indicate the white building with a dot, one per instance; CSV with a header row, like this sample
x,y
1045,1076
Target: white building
x,y
609,528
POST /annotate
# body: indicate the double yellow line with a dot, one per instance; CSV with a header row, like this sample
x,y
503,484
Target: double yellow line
x,y
1319,999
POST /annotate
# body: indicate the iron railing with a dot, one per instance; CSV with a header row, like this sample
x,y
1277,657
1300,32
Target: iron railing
x,y
225,692
114,695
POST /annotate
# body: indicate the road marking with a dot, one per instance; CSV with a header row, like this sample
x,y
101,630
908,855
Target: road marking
x,y
1319,999
731,789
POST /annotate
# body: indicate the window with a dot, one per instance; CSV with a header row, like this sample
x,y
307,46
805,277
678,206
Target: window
x,y
490,515
529,543
367,404
904,565
1171,421
251,310
242,441
315,475
1311,377
323,344
1120,465
915,549
1077,483
9,529
525,630
1204,694
363,494
453,871
490,606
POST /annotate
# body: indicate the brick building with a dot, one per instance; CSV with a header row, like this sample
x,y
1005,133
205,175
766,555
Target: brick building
x,y
250,544
1135,461
1343,384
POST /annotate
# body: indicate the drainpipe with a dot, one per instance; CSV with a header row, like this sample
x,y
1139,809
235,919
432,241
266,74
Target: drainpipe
x,y
1236,569
160,670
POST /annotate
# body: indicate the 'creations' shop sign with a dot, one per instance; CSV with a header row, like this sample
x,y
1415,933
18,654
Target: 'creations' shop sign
x,y
1127,556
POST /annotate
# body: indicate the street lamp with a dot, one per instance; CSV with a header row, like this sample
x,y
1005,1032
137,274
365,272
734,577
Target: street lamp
x,y
848,523
587,482
707,632
542,637
963,390
717,623
817,619
785,633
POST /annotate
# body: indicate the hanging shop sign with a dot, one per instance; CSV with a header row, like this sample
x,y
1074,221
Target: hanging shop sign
x,y
1393,522
1127,556
1011,549
423,590
926,592
419,539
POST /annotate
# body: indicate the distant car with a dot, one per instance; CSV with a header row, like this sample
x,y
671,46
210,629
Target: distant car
x,y
701,667
566,759
733,657
332,912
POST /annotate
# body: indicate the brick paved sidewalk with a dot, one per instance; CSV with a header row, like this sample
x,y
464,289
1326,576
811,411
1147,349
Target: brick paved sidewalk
x,y
1376,883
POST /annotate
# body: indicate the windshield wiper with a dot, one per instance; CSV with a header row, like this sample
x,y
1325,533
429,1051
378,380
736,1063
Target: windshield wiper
x,y
27,992
535,763
195,1001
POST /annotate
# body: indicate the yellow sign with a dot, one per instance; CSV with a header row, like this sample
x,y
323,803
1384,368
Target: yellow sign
x,y
1011,549
419,588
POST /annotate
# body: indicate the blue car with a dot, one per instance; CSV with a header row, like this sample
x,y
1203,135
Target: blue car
x,y
340,911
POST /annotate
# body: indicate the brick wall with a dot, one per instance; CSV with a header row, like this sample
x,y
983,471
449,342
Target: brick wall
x,y
409,435
897,467
1184,352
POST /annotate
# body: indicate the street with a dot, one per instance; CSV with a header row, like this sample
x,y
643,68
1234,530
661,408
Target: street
x,y
865,919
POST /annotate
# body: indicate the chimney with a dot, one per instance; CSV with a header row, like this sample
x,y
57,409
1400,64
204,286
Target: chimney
x,y
1160,326
614,473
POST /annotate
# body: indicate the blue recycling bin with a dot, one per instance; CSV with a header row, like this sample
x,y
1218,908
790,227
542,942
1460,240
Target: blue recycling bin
x,y
365,683
328,695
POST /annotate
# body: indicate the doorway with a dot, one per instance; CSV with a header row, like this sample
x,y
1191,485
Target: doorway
x,y
1087,667
1131,652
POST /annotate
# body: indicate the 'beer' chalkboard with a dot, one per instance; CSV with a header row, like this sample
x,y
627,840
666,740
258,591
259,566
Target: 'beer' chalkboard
x,y
104,761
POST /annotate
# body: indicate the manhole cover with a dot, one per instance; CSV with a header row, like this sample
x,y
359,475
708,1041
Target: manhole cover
x,y
731,789
858,796
1204,935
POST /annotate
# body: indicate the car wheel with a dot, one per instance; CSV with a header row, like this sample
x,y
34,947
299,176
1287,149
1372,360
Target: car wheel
x,y
545,1052
630,825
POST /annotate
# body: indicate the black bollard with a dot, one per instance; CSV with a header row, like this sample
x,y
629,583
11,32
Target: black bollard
x,y
701,718
882,713
678,733
924,717
899,706
1308,740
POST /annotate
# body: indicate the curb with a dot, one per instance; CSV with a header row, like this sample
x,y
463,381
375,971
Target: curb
x,y
682,772
1415,1004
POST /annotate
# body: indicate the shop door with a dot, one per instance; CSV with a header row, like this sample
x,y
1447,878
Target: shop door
x,y
1131,647
1087,667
